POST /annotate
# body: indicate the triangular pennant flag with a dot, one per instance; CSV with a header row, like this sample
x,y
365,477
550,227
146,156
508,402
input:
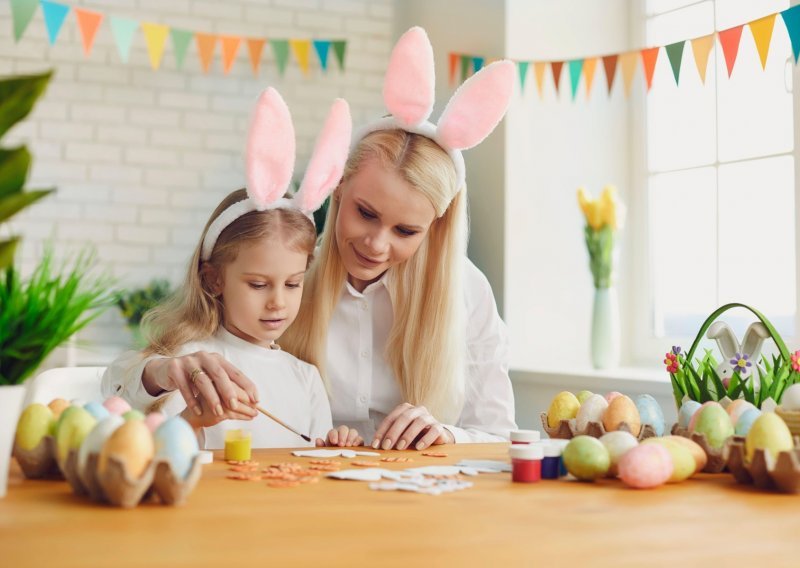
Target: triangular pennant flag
x,y
88,22
522,68
301,49
180,43
155,37
54,15
477,64
465,62
280,47
701,47
729,39
649,59
555,67
206,43
610,66
451,68
254,49
628,61
122,29
589,67
539,67
575,70
339,47
22,12
230,46
762,33
791,18
322,47
675,56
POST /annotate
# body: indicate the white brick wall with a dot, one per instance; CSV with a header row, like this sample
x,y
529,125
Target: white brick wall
x,y
140,157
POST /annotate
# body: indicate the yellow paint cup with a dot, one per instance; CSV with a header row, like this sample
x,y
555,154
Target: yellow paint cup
x,y
237,445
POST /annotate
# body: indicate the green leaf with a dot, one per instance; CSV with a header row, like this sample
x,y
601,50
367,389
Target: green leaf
x,y
719,388
14,165
734,386
17,97
14,203
7,249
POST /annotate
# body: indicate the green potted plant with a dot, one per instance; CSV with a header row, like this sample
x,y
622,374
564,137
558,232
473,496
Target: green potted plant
x,y
135,303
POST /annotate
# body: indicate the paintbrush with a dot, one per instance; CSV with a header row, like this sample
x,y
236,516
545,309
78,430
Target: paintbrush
x,y
271,417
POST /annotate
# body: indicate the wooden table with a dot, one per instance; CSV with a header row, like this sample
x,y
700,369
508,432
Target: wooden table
x,y
708,520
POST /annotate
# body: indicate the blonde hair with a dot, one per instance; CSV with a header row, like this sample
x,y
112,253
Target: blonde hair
x,y
426,346
195,312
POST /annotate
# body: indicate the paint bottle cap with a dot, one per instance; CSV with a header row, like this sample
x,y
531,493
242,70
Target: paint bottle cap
x,y
526,452
552,450
525,436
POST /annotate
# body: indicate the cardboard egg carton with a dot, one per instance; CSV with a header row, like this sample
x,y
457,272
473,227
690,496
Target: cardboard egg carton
x,y
568,429
40,462
716,458
782,475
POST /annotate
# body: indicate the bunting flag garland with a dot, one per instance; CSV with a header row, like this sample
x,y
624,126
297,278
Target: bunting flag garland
x,y
124,30
729,40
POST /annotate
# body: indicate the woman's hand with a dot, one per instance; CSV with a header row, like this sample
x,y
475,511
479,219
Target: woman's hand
x,y
408,426
210,376
341,436
208,418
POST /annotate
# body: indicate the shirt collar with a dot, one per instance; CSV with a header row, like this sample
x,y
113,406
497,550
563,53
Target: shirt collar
x,y
370,289
227,337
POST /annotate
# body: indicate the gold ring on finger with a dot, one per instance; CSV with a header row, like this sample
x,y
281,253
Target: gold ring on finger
x,y
196,373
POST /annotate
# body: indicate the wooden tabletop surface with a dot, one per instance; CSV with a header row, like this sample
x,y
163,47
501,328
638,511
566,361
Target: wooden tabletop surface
x,y
708,520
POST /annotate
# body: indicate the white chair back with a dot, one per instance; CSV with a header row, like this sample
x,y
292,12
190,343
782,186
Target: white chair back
x,y
68,383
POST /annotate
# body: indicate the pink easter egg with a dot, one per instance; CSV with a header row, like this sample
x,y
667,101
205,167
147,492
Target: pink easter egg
x,y
117,405
612,395
697,412
154,420
645,466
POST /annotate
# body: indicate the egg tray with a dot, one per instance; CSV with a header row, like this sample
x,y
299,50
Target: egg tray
x,y
567,429
783,475
716,458
39,462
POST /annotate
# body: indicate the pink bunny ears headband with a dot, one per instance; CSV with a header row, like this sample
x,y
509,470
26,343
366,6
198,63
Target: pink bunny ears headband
x,y
270,163
472,113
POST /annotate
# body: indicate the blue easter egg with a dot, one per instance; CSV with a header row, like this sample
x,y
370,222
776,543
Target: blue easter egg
x,y
686,412
176,444
746,421
97,410
650,413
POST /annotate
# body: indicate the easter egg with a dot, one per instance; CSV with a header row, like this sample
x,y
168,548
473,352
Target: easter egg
x,y
746,420
688,409
58,405
650,413
75,424
791,398
134,414
646,466
117,405
620,410
769,433
94,441
618,444
34,424
696,415
737,408
583,395
713,422
590,411
586,458
154,420
563,407
683,463
97,410
176,444
699,455
612,395
131,444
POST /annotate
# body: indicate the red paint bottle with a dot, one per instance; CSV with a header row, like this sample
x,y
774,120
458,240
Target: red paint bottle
x,y
526,462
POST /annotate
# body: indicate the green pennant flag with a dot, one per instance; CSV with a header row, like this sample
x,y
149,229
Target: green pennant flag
x,y
791,18
22,12
575,70
522,67
339,47
675,54
180,43
466,61
280,47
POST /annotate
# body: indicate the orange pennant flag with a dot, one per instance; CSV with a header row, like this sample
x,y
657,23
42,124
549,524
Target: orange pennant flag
x,y
589,66
453,63
649,59
555,67
230,45
254,48
206,43
301,48
610,66
539,68
628,61
88,22
155,36
701,47
762,33
729,39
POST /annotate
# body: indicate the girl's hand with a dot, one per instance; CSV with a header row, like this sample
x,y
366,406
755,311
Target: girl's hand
x,y
208,418
341,436
409,426
208,374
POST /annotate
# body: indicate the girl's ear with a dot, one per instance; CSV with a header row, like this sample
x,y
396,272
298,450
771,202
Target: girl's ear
x,y
211,278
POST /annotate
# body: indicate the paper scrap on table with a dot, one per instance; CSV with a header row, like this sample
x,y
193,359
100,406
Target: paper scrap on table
x,y
331,453
430,487
442,470
486,466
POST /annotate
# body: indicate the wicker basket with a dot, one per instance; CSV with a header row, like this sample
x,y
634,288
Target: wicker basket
x,y
792,419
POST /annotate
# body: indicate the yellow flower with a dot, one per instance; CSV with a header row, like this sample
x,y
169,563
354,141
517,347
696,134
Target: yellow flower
x,y
590,208
612,211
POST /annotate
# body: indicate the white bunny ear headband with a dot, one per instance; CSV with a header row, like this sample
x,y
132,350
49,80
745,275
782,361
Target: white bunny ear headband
x,y
270,163
472,113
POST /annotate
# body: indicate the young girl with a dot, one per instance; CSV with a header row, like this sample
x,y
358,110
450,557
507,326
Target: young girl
x,y
242,291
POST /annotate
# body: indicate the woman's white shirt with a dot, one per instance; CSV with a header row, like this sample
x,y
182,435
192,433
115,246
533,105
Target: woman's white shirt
x,y
364,389
289,388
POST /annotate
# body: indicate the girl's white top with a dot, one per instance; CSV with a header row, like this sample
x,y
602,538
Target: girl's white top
x,y
288,388
364,389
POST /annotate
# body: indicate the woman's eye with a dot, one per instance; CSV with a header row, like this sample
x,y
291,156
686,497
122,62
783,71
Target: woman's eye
x,y
292,284
406,232
366,214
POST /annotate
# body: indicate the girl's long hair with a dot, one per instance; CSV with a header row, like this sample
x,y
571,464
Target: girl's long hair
x,y
426,347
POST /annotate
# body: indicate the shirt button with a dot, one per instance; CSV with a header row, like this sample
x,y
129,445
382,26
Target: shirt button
x,y
364,305
365,354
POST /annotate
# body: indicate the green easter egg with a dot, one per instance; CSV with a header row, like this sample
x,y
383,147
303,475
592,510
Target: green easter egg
x,y
586,458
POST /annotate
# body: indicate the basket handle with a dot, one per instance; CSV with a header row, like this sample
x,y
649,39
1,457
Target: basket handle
x,y
710,319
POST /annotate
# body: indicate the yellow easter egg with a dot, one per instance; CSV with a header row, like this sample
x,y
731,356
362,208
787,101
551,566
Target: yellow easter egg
x,y
622,409
131,444
769,433
683,463
564,406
